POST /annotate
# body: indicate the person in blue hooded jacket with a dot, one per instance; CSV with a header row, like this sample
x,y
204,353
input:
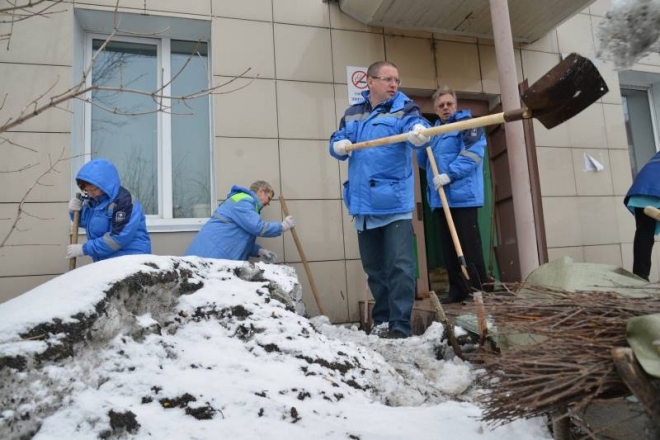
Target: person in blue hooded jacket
x,y
232,230
113,220
379,193
458,155
644,191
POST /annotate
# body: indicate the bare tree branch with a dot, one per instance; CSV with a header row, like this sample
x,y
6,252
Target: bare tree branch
x,y
20,210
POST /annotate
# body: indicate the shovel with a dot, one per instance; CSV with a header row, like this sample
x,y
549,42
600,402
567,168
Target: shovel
x,y
308,271
448,217
563,92
74,233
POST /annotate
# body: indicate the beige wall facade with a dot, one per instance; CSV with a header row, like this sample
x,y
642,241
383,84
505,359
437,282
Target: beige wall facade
x,y
277,129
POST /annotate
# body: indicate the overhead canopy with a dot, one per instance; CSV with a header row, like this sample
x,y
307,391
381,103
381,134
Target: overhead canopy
x,y
530,19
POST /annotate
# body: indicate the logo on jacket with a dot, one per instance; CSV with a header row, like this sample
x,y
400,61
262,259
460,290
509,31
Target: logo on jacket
x,y
120,216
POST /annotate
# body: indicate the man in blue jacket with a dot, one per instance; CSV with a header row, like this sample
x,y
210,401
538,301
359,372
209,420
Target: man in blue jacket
x,y
459,157
113,220
645,191
379,193
232,230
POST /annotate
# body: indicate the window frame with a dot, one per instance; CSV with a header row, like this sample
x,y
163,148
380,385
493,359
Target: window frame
x,y
160,222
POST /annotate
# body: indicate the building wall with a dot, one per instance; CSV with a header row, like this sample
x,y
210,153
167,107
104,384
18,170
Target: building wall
x,y
277,128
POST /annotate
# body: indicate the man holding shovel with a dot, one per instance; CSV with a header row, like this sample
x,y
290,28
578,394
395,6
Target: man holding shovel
x,y
379,192
459,157
232,230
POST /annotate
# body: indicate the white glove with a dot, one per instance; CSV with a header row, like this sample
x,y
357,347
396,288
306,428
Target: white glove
x,y
74,250
416,137
267,255
339,147
288,223
441,180
75,204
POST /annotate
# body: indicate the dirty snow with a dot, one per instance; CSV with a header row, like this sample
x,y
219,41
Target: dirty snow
x,y
629,32
185,348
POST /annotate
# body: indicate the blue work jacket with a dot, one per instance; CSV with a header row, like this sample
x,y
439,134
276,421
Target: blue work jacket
x,y
380,179
232,230
115,223
459,154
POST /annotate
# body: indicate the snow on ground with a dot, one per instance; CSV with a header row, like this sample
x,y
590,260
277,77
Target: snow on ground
x,y
187,348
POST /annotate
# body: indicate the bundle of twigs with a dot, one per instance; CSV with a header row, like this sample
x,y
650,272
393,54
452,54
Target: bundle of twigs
x,y
568,361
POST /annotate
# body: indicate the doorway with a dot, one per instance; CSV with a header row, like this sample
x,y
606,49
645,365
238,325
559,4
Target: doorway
x,y
638,117
435,262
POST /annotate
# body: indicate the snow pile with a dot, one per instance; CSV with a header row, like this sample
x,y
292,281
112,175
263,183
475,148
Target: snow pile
x,y
168,347
629,32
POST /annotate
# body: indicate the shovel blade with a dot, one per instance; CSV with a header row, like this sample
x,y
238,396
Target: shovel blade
x,y
566,90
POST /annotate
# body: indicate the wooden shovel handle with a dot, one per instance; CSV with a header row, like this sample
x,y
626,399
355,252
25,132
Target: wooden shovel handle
x,y
308,271
497,118
450,220
74,233
652,212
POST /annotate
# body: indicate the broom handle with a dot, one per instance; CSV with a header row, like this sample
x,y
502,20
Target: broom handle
x,y
448,217
312,284
497,118
74,233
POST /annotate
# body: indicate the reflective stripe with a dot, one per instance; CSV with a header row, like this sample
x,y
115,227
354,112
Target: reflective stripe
x,y
397,115
110,242
471,155
360,116
356,117
220,217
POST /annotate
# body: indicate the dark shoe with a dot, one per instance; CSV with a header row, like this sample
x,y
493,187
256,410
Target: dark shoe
x,y
452,299
395,334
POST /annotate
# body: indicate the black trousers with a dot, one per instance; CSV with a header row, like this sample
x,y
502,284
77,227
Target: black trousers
x,y
643,244
467,229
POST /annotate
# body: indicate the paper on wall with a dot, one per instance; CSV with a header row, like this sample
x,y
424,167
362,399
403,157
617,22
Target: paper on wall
x,y
591,164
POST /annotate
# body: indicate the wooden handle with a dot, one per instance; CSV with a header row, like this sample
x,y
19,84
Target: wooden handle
x,y
497,118
449,328
74,233
652,212
448,217
312,284
636,379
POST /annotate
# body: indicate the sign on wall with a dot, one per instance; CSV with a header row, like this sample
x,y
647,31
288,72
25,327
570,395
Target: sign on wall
x,y
356,78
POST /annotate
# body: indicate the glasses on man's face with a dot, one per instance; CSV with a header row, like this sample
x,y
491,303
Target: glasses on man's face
x,y
389,79
445,104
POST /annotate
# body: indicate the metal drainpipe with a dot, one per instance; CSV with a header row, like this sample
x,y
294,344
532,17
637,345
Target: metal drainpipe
x,y
515,139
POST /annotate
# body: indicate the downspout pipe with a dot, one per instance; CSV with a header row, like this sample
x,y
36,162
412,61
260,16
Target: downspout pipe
x,y
515,139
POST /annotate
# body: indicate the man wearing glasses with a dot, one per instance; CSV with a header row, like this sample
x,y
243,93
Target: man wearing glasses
x,y
379,193
232,230
458,155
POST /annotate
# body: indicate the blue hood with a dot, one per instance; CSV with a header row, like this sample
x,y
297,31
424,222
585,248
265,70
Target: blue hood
x,y
102,174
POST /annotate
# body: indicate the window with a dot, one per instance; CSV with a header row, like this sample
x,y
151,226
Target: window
x,y
640,99
164,158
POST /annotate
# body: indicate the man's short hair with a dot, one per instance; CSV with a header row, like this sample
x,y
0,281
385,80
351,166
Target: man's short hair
x,y
444,90
261,184
374,69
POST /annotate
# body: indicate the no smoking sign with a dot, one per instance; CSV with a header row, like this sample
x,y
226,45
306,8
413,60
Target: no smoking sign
x,y
356,78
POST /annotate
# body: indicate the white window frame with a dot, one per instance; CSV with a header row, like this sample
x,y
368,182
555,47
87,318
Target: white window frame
x,y
160,222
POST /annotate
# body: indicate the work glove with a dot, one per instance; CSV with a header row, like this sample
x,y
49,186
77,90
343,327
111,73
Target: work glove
x,y
339,147
416,137
75,204
441,180
74,250
288,223
268,256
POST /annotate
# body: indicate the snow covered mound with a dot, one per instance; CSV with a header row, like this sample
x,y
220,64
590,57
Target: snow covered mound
x,y
168,347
